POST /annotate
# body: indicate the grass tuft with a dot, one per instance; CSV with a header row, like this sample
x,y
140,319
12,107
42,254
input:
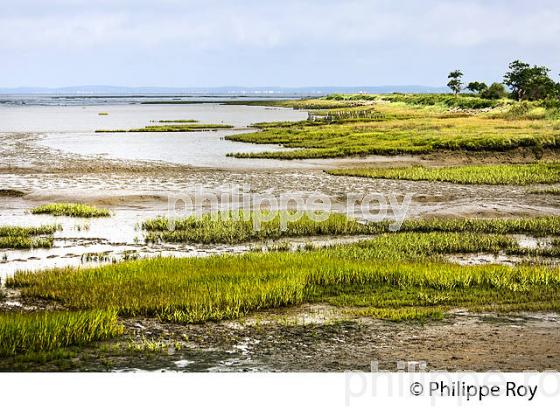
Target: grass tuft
x,y
47,331
71,209
18,237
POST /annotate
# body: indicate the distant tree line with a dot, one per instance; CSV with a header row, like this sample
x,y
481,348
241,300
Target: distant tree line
x,y
525,82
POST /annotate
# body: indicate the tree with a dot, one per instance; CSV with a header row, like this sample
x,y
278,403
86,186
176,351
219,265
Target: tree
x,y
529,83
476,87
455,82
494,92
540,88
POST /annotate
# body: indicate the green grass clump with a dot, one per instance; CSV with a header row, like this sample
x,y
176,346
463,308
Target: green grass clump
x,y
18,237
239,226
22,242
46,331
536,226
28,231
392,271
536,173
70,209
187,127
177,121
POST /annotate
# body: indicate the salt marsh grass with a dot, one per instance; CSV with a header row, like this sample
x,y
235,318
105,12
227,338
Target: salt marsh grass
x,y
28,231
172,127
71,209
245,226
177,121
404,270
17,237
536,226
407,125
445,100
536,173
23,242
46,331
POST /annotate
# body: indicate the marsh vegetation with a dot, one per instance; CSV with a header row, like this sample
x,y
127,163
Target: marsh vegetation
x,y
47,331
244,226
523,174
18,237
392,275
400,128
174,126
71,209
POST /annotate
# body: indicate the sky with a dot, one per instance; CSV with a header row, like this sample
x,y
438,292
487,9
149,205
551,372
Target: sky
x,y
288,43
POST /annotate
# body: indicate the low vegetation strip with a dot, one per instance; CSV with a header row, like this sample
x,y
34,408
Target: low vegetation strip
x,y
45,331
245,226
28,231
394,137
177,121
19,237
537,173
70,209
446,100
391,271
536,226
24,242
186,127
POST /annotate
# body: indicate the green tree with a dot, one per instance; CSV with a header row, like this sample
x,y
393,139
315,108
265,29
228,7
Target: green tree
x,y
476,87
529,83
455,82
494,92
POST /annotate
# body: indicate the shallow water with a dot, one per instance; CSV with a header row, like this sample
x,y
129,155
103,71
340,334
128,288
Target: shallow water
x,y
71,129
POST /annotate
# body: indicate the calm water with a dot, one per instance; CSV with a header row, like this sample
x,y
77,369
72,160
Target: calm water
x,y
72,129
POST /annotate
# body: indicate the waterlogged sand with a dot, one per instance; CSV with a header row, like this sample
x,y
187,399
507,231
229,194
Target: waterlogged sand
x,y
52,154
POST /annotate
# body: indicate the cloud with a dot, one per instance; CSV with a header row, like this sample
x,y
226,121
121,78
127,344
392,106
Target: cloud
x,y
60,31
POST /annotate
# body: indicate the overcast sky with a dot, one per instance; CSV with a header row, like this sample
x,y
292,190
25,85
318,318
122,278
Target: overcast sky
x,y
271,43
